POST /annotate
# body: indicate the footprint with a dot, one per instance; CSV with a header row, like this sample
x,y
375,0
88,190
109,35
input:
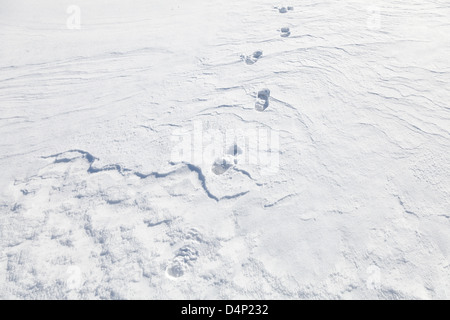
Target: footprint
x,y
221,166
285,32
176,269
252,59
285,9
262,102
257,54
184,259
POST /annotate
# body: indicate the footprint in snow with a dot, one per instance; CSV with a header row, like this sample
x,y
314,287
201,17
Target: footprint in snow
x,y
262,102
253,58
285,9
220,166
285,32
183,260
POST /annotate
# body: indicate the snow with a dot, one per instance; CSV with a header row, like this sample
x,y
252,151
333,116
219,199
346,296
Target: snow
x,y
224,149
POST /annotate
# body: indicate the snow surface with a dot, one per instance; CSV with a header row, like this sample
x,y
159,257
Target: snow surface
x,y
356,203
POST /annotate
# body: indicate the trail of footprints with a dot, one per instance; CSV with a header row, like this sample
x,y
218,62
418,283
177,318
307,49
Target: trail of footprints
x,y
186,256
284,32
222,165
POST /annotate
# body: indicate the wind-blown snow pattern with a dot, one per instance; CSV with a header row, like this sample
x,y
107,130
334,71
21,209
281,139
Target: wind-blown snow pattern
x,y
97,203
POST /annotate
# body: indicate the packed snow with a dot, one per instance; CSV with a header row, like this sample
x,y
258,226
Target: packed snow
x,y
193,149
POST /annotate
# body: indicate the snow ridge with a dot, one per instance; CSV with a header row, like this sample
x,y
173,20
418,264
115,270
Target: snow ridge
x,y
61,158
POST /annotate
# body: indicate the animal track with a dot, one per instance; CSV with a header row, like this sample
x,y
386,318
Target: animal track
x,y
252,59
285,32
262,102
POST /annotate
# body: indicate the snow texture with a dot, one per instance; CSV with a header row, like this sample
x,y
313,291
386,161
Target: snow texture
x,y
351,199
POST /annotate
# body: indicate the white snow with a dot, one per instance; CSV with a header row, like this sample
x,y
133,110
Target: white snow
x,y
348,196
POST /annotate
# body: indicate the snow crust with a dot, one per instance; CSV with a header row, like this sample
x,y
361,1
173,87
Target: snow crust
x,y
97,203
